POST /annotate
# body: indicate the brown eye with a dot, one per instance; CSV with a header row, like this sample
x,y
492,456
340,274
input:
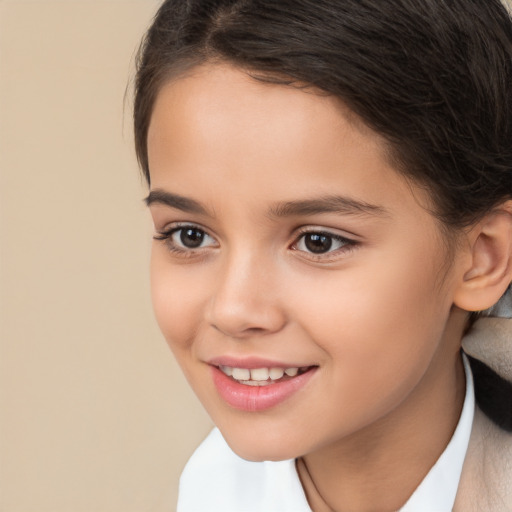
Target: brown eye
x,y
186,239
191,238
317,243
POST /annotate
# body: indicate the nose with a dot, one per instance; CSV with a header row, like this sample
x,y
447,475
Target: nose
x,y
245,301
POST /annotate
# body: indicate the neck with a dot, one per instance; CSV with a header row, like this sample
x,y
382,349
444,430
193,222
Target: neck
x,y
379,467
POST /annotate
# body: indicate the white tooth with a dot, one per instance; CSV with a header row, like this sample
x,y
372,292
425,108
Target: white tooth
x,y
241,374
259,374
291,372
276,373
227,370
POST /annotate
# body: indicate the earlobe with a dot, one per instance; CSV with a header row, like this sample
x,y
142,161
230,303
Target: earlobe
x,y
490,262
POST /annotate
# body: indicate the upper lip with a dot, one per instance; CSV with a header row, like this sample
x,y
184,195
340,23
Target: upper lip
x,y
252,363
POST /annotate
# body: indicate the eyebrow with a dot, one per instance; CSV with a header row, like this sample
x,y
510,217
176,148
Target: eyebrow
x,y
185,204
327,204
305,207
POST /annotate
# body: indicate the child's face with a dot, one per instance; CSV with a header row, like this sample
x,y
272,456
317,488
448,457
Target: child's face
x,y
295,245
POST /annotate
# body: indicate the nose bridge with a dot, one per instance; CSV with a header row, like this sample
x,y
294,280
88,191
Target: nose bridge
x,y
245,300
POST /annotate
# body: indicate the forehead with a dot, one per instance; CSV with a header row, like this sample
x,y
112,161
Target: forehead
x,y
215,101
218,125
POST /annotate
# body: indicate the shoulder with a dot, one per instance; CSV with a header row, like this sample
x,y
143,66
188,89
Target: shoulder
x,y
216,479
486,480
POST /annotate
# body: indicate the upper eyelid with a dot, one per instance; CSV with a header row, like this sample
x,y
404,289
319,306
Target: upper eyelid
x,y
334,232
169,229
349,241
175,226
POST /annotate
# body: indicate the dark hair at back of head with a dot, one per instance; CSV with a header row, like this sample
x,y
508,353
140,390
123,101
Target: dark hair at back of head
x,y
432,77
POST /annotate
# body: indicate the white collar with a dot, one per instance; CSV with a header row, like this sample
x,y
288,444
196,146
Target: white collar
x,y
438,489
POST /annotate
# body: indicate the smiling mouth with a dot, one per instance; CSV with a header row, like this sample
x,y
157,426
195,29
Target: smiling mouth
x,y
262,376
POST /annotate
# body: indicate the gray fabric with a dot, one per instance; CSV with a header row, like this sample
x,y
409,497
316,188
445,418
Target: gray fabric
x,y
486,481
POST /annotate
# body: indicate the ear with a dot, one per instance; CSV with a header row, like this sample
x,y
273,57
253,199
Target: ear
x,y
488,270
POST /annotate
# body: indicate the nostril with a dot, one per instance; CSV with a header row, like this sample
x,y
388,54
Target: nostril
x,y
241,332
255,330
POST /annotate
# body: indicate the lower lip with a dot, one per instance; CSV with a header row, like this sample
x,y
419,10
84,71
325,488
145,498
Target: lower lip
x,y
257,398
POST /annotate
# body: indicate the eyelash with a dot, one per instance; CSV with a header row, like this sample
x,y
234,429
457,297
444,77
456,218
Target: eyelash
x,y
166,237
346,244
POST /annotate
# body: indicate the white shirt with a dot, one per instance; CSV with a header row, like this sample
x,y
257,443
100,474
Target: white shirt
x,y
215,479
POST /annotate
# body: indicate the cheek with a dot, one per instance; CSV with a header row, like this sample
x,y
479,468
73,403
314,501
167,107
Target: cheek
x,y
378,340
377,320
176,304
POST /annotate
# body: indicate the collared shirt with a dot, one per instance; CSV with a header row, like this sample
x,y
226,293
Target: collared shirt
x,y
438,489
216,480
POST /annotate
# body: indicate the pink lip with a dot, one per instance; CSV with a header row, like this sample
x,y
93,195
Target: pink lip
x,y
251,363
257,398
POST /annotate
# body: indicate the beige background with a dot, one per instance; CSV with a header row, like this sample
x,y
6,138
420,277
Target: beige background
x,y
94,414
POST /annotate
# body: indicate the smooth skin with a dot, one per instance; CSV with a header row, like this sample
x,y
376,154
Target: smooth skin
x,y
244,175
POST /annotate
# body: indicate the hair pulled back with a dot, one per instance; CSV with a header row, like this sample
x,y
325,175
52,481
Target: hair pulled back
x,y
433,77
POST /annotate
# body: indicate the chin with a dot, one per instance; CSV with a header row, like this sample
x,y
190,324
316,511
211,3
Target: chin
x,y
254,447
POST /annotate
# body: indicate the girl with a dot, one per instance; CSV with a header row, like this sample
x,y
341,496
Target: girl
x,y
330,184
